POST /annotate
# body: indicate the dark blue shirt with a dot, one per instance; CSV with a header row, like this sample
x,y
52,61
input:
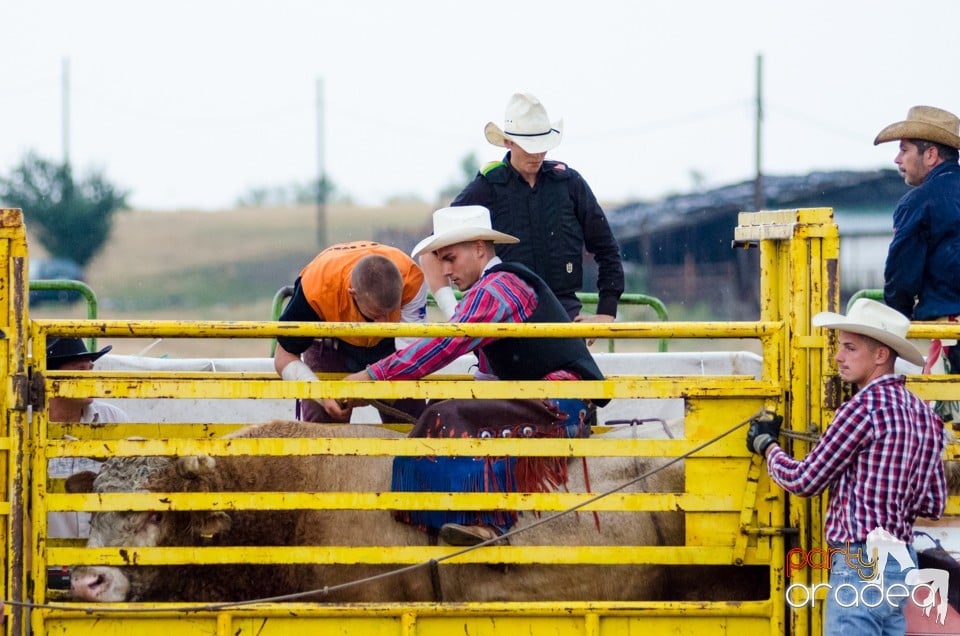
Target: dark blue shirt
x,y
923,262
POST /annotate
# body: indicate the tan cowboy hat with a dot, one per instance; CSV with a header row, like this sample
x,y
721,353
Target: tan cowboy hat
x,y
875,320
527,125
927,123
458,225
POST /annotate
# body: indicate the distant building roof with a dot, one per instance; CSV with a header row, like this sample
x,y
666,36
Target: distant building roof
x,y
846,191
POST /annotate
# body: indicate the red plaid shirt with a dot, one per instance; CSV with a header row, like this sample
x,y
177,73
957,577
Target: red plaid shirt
x,y
497,297
881,457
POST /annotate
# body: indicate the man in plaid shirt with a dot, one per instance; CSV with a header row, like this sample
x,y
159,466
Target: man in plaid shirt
x,y
881,458
462,245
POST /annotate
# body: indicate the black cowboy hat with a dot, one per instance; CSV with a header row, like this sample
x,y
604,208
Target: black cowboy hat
x,y
63,350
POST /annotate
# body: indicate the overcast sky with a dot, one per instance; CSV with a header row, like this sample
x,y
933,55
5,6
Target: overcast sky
x,y
192,104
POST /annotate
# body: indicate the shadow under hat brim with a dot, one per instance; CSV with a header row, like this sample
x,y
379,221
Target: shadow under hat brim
x,y
92,356
917,130
533,145
904,348
452,237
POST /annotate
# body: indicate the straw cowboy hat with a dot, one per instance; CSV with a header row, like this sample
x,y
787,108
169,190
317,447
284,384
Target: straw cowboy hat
x,y
458,225
526,124
876,320
63,350
927,123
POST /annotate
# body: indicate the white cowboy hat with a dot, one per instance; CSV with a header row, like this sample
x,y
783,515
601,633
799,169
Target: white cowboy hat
x,y
875,320
526,124
927,123
458,225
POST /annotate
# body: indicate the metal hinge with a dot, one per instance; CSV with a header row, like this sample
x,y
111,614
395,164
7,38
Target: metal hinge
x,y
27,390
36,391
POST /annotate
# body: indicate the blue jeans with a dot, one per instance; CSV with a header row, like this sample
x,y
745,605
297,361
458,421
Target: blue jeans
x,y
859,607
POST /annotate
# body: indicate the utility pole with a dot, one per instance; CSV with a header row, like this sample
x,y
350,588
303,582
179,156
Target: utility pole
x,y
65,124
321,172
759,202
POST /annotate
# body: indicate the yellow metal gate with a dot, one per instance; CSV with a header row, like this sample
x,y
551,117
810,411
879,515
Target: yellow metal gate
x,y
732,514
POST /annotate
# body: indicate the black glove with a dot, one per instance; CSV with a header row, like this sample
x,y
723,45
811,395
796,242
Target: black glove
x,y
764,430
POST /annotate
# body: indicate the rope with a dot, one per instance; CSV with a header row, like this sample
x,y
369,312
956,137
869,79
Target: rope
x,y
806,436
431,563
389,410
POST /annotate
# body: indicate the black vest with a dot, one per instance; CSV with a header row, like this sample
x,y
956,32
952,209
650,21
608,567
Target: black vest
x,y
533,358
546,221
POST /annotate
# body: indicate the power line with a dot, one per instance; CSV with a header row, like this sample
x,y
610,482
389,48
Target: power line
x,y
668,123
816,123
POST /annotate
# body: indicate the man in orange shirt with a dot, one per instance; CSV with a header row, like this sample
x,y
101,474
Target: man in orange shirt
x,y
361,281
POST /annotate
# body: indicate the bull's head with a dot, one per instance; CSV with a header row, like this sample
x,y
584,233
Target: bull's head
x,y
144,528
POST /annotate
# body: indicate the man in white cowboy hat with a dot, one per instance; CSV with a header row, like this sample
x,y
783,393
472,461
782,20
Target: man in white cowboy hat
x,y
881,457
920,277
494,291
549,207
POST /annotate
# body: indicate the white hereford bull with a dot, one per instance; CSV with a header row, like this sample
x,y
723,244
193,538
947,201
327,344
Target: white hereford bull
x,y
218,583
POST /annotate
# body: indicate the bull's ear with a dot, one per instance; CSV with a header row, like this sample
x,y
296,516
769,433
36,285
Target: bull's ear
x,y
195,466
213,524
80,482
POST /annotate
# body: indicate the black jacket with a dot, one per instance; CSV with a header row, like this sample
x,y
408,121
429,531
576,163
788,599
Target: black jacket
x,y
554,220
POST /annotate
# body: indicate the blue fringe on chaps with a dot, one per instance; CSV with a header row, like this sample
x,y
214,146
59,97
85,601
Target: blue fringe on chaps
x,y
453,474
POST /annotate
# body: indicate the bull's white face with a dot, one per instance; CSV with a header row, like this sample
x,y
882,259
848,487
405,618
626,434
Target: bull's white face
x,y
99,584
107,584
134,529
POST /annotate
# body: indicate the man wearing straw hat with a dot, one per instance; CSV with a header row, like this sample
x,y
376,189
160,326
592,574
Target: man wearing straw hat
x,y
494,292
920,277
881,457
549,207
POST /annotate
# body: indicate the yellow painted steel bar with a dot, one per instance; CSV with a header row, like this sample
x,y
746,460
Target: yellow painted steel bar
x,y
495,608
14,458
61,430
730,446
201,430
399,555
628,502
626,387
714,609
409,623
255,329
258,329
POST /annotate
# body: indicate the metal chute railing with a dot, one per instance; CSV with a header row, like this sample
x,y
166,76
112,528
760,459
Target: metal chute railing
x,y
872,294
700,389
587,298
59,284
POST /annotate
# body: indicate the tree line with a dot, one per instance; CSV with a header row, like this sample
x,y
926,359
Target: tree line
x,y
72,217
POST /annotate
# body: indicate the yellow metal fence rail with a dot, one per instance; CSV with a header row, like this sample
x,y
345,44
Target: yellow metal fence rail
x,y
714,518
732,514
